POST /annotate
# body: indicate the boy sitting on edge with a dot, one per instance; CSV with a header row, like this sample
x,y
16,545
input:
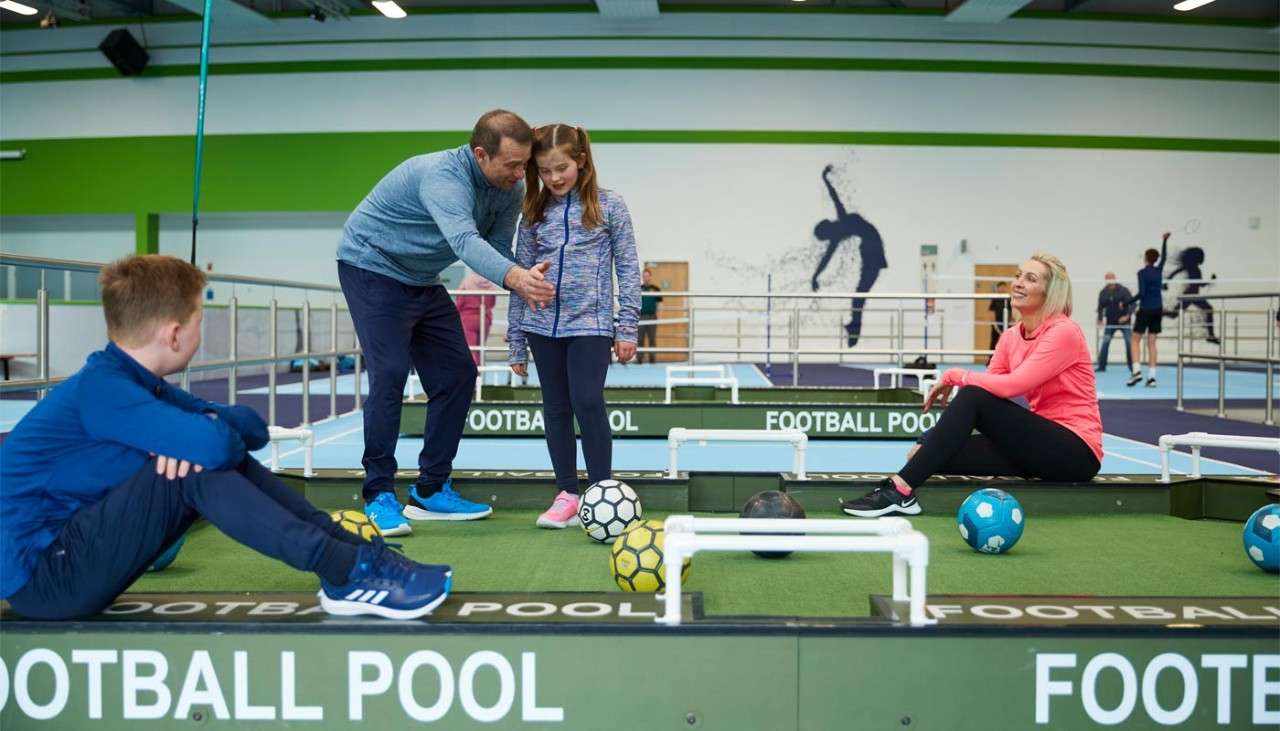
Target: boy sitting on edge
x,y
115,464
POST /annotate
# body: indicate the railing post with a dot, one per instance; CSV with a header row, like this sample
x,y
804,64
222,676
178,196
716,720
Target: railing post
x,y
902,340
233,348
1138,360
795,346
42,336
274,349
359,382
1268,416
689,356
333,359
1222,375
481,342
306,362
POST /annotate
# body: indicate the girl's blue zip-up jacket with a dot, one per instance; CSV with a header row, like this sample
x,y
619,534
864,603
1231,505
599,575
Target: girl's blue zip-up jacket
x,y
582,267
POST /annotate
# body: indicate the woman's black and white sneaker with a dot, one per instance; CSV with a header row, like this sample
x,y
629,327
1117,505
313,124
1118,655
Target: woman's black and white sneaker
x,y
884,500
1134,379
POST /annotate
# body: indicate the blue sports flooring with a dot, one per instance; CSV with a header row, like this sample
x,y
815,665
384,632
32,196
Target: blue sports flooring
x,y
340,443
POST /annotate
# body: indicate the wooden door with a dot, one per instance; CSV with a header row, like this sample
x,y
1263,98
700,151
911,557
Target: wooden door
x,y
982,314
672,276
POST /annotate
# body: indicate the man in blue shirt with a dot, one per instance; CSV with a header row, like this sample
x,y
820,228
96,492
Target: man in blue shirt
x,y
106,474
1150,312
427,213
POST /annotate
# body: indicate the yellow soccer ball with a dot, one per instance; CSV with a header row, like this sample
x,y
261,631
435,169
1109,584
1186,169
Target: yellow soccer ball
x,y
354,521
636,558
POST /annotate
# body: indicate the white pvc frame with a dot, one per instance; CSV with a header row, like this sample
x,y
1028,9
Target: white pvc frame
x,y
303,436
1198,439
798,440
921,374
687,535
718,376
415,383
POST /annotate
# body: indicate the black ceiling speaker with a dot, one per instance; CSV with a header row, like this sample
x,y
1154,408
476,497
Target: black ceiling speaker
x,y
123,51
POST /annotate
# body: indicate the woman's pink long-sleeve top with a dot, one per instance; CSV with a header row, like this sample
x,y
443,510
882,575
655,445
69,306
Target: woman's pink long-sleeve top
x,y
1052,368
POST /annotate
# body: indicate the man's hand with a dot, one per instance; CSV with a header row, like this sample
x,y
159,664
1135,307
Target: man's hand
x,y
520,369
1166,236
1123,319
940,393
173,468
531,285
625,350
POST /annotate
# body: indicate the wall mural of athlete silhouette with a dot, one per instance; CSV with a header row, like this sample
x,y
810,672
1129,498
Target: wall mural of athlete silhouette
x,y
1189,261
834,232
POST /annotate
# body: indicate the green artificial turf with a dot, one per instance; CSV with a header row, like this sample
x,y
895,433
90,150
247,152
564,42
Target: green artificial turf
x,y
1106,555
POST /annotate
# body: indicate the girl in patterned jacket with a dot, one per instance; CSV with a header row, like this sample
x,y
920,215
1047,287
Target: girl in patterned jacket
x,y
584,231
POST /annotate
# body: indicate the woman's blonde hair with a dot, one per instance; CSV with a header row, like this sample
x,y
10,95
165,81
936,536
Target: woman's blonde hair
x,y
1057,291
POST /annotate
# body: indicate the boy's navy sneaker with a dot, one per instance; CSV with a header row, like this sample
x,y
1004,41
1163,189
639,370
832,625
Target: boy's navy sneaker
x,y
384,511
387,584
444,505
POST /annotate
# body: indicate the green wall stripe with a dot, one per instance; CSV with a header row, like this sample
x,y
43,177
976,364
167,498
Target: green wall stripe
x,y
699,38
668,63
333,171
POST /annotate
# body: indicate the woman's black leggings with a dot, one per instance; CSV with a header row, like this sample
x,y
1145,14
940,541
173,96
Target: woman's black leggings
x,y
1011,441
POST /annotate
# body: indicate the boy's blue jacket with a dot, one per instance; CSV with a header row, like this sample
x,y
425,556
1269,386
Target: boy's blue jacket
x,y
93,432
582,271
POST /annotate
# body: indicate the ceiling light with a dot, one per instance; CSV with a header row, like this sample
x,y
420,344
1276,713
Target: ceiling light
x,y
1186,5
389,8
18,8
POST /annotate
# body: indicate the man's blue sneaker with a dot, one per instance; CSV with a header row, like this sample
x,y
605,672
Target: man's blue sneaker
x,y
444,505
384,511
387,584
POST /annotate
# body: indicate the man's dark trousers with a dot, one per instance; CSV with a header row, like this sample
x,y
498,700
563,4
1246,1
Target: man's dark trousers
x,y
402,326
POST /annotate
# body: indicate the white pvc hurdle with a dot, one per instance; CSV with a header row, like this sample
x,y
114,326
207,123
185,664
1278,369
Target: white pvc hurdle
x,y
686,535
481,370
305,437
1198,439
798,440
717,376
897,374
415,383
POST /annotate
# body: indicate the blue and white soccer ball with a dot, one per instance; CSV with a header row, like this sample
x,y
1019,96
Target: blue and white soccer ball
x,y
990,520
1262,538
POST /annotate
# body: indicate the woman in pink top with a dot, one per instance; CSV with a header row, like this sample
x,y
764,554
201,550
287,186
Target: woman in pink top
x,y
469,310
1044,358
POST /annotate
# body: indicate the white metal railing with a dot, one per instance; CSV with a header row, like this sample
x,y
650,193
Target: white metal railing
x,y
305,437
1198,439
686,535
798,440
234,360
1269,361
716,375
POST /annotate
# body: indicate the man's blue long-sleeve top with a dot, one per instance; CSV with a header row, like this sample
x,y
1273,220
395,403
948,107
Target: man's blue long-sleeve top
x,y
92,433
428,212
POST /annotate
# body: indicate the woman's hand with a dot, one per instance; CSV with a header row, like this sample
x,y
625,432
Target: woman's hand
x,y
520,369
939,393
624,349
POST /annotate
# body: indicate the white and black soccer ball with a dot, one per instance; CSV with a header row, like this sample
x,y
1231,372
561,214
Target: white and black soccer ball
x,y
608,507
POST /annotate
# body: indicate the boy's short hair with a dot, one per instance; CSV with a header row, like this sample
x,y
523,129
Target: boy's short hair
x,y
1151,256
139,292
